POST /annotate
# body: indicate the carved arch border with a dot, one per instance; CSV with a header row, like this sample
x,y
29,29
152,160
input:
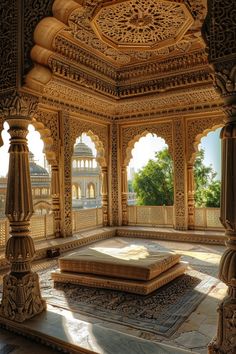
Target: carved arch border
x,y
73,128
131,134
98,134
196,130
47,125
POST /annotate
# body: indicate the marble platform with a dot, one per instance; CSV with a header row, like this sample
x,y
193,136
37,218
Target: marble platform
x,y
120,265
63,332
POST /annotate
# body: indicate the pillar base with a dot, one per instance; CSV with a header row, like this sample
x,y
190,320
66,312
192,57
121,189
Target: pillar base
x,y
225,341
21,298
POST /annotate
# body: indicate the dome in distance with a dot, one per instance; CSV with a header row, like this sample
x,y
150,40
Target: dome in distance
x,y
36,170
82,149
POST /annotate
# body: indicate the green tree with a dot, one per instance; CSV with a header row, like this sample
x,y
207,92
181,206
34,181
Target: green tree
x,y
154,182
207,189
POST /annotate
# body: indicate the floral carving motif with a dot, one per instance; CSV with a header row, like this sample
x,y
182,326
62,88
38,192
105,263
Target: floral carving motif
x,y
21,297
19,105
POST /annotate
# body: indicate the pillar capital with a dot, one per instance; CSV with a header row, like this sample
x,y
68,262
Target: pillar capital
x,y
18,105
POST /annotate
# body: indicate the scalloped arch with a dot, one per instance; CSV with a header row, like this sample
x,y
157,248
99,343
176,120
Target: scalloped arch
x,y
100,158
45,135
201,130
131,135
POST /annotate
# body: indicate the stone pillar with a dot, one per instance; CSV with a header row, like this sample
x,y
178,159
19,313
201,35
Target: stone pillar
x,y
115,211
65,171
191,201
180,178
220,34
124,191
104,196
56,200
21,298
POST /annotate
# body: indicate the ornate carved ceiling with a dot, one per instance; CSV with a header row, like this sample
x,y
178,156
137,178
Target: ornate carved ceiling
x,y
133,31
141,24
149,54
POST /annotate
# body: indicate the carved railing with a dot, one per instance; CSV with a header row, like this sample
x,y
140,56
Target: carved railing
x,y
86,218
150,215
207,219
41,227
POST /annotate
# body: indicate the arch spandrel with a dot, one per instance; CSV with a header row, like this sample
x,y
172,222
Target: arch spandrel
x,y
132,134
196,130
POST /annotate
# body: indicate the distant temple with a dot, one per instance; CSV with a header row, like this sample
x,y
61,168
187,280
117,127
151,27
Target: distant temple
x,y
41,188
86,178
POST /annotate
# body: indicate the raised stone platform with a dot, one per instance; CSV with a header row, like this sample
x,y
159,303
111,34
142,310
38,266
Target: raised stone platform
x,y
120,265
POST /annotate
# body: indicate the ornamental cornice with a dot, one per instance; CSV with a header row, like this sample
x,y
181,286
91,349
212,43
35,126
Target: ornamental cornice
x,y
202,98
181,63
64,46
116,90
82,78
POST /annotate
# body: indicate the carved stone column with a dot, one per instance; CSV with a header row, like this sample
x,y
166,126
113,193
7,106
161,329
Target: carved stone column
x,y
56,200
191,201
115,211
220,35
21,293
104,196
180,180
124,195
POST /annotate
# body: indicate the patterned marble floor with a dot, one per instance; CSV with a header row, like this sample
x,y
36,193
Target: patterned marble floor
x,y
193,335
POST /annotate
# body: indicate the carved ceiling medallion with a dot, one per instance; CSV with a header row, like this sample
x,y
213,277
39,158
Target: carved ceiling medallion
x,y
141,24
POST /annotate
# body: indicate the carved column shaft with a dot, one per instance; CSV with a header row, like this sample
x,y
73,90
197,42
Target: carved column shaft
x,y
180,189
191,201
21,294
56,200
124,190
104,195
114,172
220,34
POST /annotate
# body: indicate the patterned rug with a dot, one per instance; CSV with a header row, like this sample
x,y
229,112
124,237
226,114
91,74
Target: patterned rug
x,y
160,312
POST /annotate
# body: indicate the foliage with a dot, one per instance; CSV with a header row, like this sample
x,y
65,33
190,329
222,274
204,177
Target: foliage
x,y
154,182
207,189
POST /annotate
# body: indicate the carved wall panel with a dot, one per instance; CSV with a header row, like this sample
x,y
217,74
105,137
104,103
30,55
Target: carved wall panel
x,y
197,128
220,29
8,48
131,134
180,178
34,11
